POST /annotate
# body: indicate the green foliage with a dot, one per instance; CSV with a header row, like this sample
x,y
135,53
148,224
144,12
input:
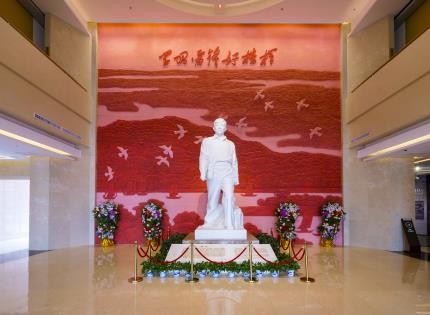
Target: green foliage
x,y
264,238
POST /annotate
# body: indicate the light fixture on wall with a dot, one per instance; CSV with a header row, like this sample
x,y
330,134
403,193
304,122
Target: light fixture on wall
x,y
402,141
422,161
32,142
23,133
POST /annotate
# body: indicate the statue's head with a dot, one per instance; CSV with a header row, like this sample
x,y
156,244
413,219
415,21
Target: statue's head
x,y
220,126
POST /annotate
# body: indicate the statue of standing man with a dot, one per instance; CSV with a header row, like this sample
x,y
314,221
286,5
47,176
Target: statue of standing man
x,y
219,168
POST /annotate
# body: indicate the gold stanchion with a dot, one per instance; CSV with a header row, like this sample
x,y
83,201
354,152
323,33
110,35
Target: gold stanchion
x,y
251,279
192,279
135,278
307,278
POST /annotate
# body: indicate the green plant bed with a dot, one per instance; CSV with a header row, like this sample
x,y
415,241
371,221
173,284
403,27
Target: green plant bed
x,y
156,266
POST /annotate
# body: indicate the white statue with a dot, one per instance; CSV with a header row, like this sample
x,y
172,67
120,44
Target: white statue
x,y
218,166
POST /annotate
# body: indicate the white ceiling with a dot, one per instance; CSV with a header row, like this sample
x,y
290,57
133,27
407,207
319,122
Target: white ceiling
x,y
360,13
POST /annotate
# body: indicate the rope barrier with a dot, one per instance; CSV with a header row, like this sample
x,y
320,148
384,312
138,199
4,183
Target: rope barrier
x,y
145,254
158,245
171,261
296,254
274,262
220,262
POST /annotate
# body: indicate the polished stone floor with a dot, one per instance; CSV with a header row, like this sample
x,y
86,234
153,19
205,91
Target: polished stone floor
x,y
90,280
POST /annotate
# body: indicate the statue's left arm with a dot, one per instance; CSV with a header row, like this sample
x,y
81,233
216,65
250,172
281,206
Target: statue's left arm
x,y
235,167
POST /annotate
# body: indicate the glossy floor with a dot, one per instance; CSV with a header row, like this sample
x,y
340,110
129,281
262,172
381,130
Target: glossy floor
x,y
90,280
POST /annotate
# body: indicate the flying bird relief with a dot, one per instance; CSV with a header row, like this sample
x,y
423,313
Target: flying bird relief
x,y
167,150
162,160
301,104
241,123
199,139
259,95
315,132
109,174
123,153
268,105
180,132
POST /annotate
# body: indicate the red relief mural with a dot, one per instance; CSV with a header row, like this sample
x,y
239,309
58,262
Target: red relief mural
x,y
153,115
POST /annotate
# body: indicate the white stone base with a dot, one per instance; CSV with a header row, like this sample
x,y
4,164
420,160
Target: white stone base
x,y
219,234
220,252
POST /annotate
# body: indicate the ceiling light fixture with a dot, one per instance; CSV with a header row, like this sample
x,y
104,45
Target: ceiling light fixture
x,y
422,161
401,145
32,142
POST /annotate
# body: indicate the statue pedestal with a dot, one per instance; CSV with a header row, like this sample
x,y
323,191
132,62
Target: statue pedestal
x,y
219,234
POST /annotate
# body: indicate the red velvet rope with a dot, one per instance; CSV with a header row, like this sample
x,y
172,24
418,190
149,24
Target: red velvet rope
x,y
158,245
145,254
296,254
273,262
171,261
220,262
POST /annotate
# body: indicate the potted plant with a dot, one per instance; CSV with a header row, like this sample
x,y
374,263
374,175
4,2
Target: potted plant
x,y
106,216
331,215
152,216
286,215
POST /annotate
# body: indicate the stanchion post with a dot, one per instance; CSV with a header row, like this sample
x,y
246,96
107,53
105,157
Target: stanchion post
x,y
135,278
306,279
251,279
192,279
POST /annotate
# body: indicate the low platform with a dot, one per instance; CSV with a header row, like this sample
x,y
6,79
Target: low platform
x,y
249,238
219,234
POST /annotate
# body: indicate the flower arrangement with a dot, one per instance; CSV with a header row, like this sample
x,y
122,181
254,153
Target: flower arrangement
x,y
332,214
152,215
286,214
106,216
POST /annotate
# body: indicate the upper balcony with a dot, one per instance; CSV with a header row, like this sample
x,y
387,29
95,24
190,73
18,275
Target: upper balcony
x,y
394,97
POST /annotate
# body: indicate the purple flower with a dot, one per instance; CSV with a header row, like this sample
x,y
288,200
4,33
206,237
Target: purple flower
x,y
284,213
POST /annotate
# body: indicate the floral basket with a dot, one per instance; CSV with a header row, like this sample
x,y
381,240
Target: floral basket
x,y
331,214
152,216
106,216
286,214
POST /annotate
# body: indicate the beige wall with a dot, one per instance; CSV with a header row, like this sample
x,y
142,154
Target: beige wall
x,y
63,40
43,86
368,50
60,189
378,193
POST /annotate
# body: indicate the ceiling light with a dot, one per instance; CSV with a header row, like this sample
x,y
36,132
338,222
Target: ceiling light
x,y
401,145
417,168
422,161
32,142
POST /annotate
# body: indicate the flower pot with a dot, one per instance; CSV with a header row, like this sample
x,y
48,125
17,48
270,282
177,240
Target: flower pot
x,y
202,274
290,273
327,243
231,274
215,274
285,244
245,274
176,273
163,274
107,242
149,274
275,274
258,273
